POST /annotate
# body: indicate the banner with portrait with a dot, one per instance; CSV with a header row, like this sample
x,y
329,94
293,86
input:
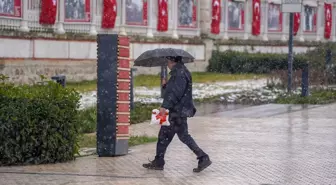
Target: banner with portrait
x,y
236,15
274,17
77,11
136,12
187,13
310,19
10,8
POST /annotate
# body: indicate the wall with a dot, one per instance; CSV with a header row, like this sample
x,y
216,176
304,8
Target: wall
x,y
25,59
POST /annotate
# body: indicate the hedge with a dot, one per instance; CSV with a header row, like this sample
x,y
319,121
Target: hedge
x,y
38,124
243,62
141,113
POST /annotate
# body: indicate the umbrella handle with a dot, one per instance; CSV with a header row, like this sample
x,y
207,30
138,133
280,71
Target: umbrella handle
x,y
164,72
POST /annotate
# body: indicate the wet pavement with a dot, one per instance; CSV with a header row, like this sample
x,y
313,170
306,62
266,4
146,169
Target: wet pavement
x,y
262,110
204,109
263,145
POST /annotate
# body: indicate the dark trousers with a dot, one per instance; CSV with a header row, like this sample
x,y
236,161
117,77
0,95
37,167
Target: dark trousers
x,y
179,126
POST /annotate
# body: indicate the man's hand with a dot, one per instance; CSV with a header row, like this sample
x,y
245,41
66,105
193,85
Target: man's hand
x,y
162,111
164,81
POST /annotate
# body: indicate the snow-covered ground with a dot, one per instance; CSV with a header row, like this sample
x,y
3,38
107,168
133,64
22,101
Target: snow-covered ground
x,y
231,91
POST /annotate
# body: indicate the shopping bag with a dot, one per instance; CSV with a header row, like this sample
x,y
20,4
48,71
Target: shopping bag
x,y
158,119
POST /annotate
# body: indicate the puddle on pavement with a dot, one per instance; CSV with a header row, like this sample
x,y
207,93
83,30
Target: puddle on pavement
x,y
211,108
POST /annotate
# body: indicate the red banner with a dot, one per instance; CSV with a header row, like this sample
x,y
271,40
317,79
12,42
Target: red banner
x,y
162,15
145,10
11,8
327,20
297,22
109,13
315,21
216,16
256,17
194,14
242,13
280,20
77,11
48,12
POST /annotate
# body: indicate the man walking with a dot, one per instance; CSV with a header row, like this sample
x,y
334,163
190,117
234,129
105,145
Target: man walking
x,y
178,100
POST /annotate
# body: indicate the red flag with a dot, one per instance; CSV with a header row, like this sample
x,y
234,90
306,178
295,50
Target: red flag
x,y
194,13
242,13
314,21
162,16
297,22
48,12
327,20
109,13
216,16
256,17
144,14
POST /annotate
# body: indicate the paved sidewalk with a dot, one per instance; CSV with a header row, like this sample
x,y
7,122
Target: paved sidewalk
x,y
296,146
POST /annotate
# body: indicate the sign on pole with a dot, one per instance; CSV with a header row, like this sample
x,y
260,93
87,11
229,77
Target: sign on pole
x,y
291,6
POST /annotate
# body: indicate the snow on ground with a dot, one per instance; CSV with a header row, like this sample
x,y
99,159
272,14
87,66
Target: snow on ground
x,y
233,90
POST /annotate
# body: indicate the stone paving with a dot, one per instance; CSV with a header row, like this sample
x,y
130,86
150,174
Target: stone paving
x,y
293,145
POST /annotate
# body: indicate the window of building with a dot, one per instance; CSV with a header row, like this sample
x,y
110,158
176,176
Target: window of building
x,y
310,19
274,22
136,12
77,10
187,13
236,15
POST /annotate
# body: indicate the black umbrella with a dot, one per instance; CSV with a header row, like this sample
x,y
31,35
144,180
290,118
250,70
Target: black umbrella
x,y
157,57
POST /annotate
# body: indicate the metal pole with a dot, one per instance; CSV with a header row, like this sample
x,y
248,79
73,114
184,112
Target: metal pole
x,y
132,89
164,74
328,57
290,52
305,81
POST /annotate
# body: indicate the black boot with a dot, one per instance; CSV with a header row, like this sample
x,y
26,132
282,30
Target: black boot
x,y
203,163
156,164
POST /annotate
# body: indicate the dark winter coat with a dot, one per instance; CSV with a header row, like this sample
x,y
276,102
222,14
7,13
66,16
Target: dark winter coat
x,y
178,92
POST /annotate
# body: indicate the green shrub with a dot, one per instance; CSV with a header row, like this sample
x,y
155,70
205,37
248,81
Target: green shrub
x,y
316,97
88,120
243,62
141,113
38,124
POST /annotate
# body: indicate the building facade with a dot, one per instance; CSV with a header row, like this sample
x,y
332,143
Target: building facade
x,y
29,49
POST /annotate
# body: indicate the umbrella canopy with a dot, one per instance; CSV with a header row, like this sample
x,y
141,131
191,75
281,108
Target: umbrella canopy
x,y
157,57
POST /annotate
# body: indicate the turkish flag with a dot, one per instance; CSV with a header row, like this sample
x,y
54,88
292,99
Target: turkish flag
x,y
297,22
109,13
256,17
327,20
314,21
48,12
162,24
216,16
